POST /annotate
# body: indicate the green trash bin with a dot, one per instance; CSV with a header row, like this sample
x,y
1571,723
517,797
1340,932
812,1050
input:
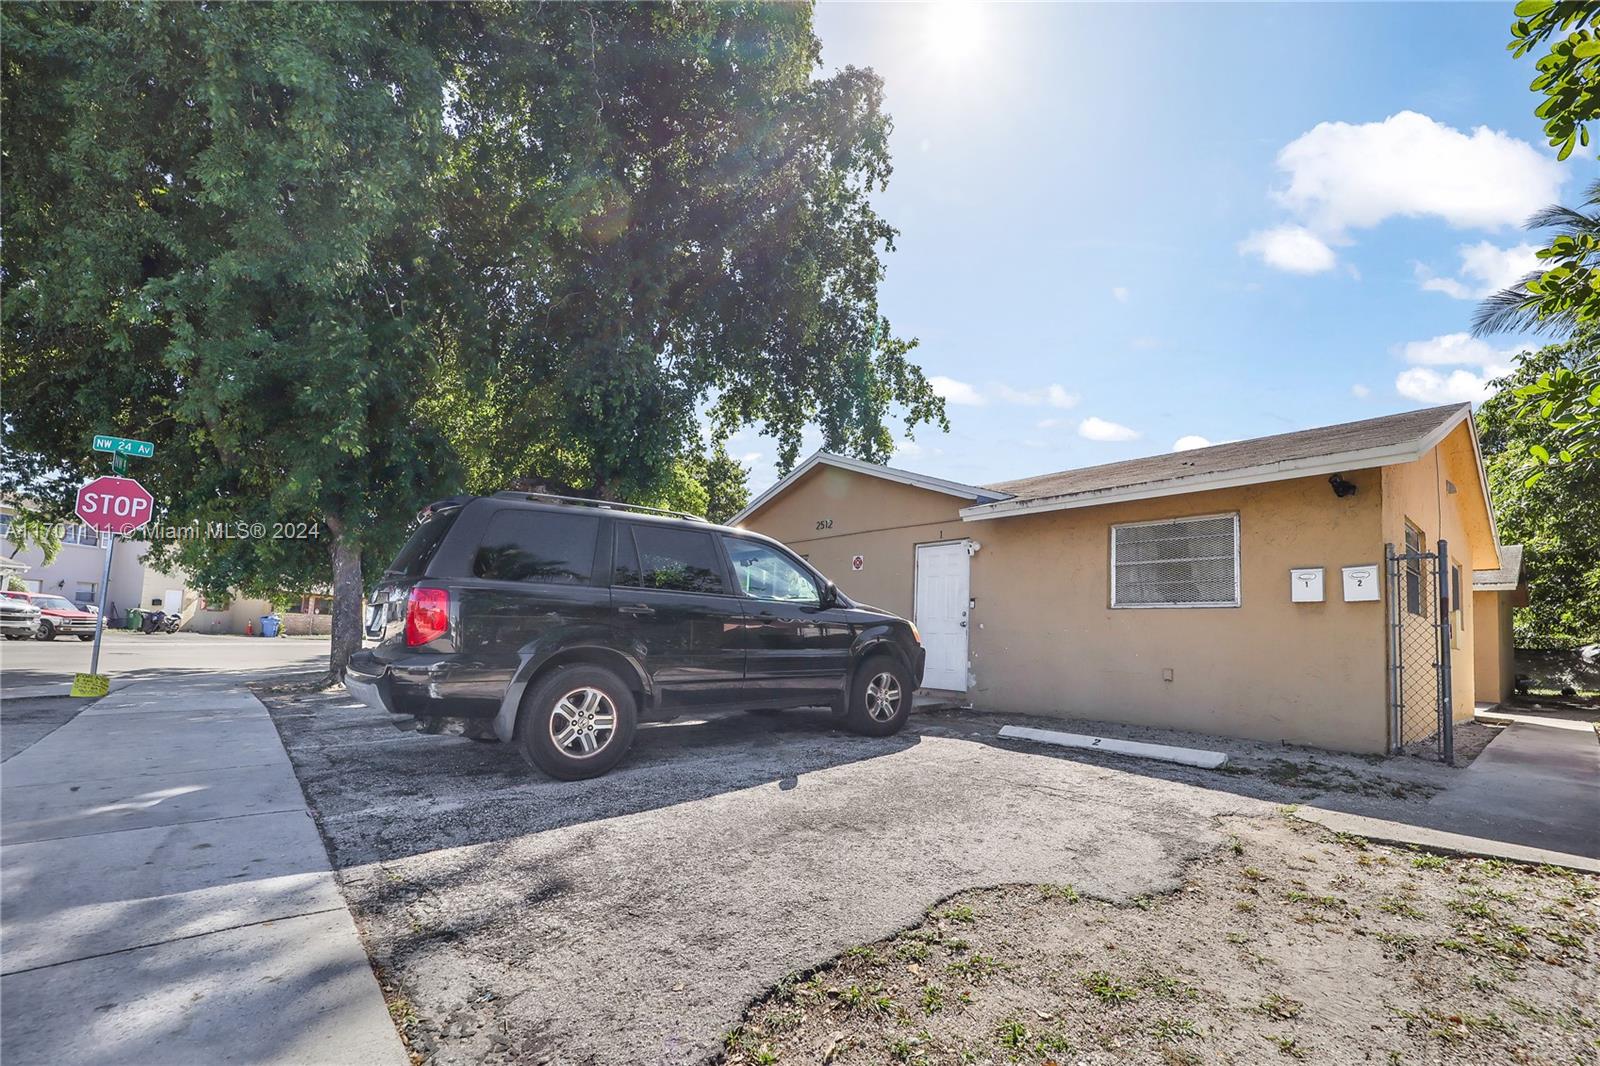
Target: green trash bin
x,y
135,619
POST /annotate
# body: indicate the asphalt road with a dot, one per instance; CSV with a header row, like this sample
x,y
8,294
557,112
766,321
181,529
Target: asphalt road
x,y
26,663
631,918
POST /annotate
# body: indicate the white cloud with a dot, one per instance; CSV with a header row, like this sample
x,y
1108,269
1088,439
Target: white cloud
x,y
1092,428
1459,386
1454,349
1485,268
1051,395
956,392
1049,423
1345,176
1292,248
1359,391
1190,442
1120,294
1475,364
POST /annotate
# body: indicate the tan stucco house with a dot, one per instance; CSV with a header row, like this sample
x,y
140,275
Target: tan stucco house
x,y
1242,589
1495,594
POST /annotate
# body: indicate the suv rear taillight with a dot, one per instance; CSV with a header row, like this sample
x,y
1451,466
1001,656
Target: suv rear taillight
x,y
427,615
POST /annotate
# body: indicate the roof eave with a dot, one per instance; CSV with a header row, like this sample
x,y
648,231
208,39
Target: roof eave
x,y
861,466
1311,466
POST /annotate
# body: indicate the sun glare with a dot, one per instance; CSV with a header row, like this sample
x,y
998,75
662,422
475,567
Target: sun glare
x,y
954,30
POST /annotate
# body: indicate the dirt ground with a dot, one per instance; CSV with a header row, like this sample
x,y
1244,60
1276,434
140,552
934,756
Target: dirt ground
x,y
1288,943
633,918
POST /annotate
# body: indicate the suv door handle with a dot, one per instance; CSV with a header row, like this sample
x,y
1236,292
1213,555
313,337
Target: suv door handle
x,y
636,609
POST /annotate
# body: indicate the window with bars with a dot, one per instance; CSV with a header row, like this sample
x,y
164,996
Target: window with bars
x,y
1181,562
1413,569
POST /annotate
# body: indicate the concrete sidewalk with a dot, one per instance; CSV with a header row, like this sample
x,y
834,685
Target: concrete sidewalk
x,y
166,897
1533,795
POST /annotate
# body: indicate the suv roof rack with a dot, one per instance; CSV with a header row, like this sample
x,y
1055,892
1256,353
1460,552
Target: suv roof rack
x,y
606,504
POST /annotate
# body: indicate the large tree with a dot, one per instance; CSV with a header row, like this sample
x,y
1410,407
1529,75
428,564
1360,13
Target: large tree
x,y
220,237
336,259
667,208
1563,298
1553,517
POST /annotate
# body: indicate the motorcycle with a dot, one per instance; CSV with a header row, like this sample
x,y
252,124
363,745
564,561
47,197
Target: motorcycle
x,y
171,622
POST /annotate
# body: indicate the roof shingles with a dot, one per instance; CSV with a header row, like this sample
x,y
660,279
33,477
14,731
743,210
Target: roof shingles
x,y
1370,434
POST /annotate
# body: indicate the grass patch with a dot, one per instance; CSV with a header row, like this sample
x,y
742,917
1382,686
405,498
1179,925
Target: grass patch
x,y
1105,986
1064,893
1280,1006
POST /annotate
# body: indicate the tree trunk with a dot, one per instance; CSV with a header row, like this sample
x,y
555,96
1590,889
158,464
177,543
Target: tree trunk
x,y
347,598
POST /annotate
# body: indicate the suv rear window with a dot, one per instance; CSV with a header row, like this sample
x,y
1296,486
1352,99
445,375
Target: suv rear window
x,y
538,546
660,557
413,558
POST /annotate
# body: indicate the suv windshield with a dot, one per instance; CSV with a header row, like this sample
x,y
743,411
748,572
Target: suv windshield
x,y
413,558
54,603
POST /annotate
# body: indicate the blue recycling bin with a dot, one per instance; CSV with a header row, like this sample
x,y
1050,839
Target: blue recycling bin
x,y
270,624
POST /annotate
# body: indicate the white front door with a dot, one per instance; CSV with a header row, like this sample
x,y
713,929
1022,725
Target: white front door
x,y
943,573
172,602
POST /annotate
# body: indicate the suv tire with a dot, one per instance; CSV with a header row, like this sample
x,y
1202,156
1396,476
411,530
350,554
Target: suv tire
x,y
46,632
880,697
569,709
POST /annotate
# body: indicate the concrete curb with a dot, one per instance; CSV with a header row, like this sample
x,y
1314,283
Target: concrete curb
x,y
1206,760
60,688
1387,832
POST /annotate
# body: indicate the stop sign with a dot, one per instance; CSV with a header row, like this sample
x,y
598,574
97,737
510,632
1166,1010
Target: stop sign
x,y
114,504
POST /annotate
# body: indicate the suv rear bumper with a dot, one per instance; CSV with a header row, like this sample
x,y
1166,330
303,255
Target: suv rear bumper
x,y
410,688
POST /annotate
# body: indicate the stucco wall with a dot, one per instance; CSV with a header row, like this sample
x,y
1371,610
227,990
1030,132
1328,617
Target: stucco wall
x,y
1418,492
1493,654
880,520
1047,641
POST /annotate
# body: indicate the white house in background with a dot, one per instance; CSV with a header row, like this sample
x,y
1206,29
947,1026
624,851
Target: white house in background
x,y
77,569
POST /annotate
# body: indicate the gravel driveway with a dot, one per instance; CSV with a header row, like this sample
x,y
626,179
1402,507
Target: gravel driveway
x,y
632,918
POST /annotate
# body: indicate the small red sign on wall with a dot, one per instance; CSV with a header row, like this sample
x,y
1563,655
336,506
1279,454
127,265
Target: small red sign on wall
x,y
858,562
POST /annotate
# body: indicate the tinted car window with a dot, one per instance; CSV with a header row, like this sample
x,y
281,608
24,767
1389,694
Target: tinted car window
x,y
625,565
413,558
679,559
538,546
768,574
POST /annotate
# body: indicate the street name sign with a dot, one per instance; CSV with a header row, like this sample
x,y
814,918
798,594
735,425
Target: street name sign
x,y
114,505
139,449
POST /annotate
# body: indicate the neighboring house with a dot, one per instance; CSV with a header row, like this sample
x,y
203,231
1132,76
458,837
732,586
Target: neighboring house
x,y
1495,594
76,573
1241,589
79,567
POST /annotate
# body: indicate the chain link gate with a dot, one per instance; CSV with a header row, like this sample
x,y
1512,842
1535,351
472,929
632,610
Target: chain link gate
x,y
1421,718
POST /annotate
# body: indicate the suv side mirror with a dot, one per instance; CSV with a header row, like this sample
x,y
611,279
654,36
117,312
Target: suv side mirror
x,y
830,595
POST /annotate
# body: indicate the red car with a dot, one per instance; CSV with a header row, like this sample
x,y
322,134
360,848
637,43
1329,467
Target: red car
x,y
58,616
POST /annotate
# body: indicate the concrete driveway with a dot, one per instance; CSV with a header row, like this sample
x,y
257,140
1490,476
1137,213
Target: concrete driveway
x,y
630,919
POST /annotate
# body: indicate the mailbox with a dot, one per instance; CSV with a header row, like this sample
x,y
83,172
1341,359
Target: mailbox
x,y
1360,583
1305,585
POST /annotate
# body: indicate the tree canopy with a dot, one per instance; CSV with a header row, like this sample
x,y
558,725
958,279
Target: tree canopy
x,y
1563,298
1552,517
335,260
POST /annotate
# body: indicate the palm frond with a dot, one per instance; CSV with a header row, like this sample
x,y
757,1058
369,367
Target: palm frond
x,y
1516,310
1572,221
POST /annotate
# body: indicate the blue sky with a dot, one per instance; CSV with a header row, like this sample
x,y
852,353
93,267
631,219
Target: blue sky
x,y
1125,225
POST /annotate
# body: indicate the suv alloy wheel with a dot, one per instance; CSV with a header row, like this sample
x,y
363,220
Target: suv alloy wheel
x,y
880,697
578,721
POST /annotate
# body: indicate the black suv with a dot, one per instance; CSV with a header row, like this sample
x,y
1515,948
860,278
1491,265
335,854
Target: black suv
x,y
558,624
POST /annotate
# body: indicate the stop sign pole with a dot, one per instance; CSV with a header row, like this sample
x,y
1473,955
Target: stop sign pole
x,y
111,505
